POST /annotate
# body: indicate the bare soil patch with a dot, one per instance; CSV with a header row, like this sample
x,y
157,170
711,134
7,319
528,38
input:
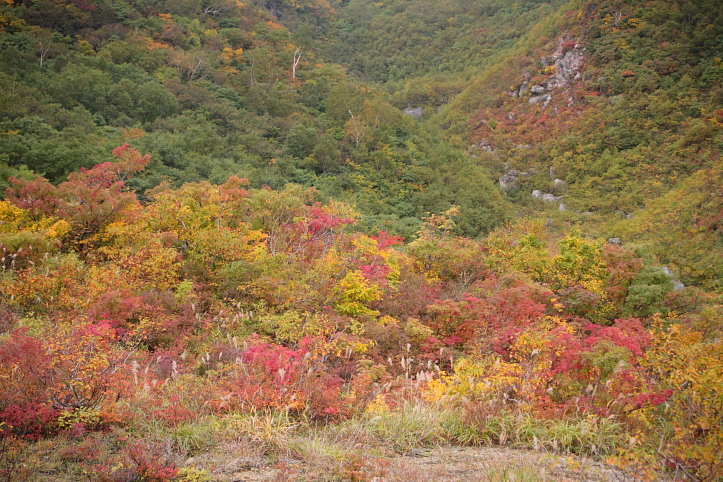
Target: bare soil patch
x,y
441,464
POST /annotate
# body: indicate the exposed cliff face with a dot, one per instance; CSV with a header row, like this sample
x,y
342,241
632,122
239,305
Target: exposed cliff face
x,y
568,66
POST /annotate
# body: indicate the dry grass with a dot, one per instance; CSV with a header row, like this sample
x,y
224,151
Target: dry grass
x,y
416,441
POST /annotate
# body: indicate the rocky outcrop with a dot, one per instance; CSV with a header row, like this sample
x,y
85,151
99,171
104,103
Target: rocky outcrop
x,y
567,66
509,180
523,89
677,284
415,112
546,197
481,146
568,61
544,99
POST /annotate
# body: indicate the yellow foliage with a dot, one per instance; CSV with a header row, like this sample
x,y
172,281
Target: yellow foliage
x,y
15,220
579,263
482,379
693,430
292,326
84,415
377,406
387,321
354,292
491,378
86,47
622,44
522,247
80,363
11,217
130,134
59,229
231,55
192,474
637,23
417,331
10,20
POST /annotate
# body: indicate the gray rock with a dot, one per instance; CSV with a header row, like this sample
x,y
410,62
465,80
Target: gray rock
x,y
567,66
485,146
617,241
482,146
561,207
550,198
415,112
509,180
540,98
524,89
677,285
537,89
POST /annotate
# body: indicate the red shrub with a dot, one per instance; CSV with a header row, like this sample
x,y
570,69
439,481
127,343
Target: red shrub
x,y
30,420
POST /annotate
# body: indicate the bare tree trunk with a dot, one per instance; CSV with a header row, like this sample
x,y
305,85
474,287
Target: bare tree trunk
x,y
44,50
44,40
297,59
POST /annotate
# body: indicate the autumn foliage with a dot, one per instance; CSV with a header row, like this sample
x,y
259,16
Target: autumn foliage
x,y
214,300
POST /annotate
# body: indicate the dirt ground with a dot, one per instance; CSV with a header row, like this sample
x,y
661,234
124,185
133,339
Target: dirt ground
x,y
442,464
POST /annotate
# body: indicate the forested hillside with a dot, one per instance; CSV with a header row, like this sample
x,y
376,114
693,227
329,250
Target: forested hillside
x,y
605,105
331,232
210,91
